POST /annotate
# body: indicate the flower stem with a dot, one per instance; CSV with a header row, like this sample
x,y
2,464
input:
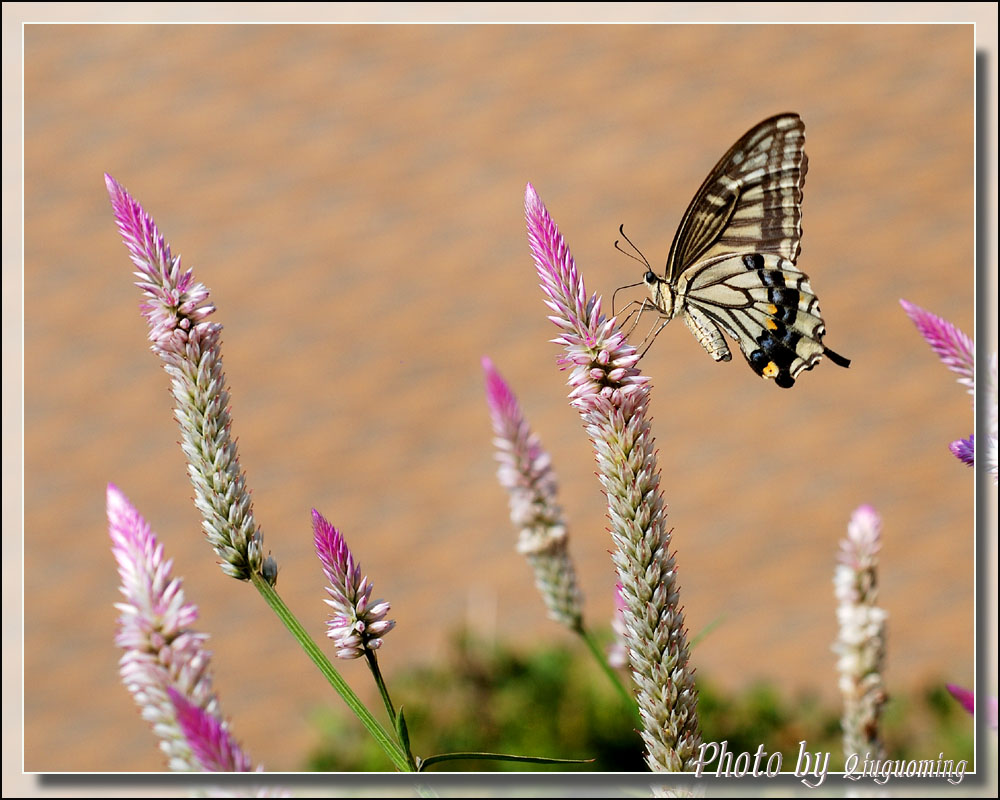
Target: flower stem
x,y
379,733
404,743
595,648
377,675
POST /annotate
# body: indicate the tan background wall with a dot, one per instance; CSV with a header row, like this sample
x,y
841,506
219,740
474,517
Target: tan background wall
x,y
352,195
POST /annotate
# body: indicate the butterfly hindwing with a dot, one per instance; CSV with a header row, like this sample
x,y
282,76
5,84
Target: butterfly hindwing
x,y
751,201
765,304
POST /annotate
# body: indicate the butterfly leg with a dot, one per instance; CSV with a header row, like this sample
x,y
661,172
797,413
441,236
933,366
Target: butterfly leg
x,y
651,336
634,313
707,333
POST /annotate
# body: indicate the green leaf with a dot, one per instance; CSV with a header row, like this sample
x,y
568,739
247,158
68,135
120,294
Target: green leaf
x,y
401,730
499,757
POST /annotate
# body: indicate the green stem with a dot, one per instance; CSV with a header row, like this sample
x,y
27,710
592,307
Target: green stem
x,y
595,648
398,724
377,674
393,750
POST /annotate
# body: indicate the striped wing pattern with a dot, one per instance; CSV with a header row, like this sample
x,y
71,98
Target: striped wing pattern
x,y
732,267
751,201
765,304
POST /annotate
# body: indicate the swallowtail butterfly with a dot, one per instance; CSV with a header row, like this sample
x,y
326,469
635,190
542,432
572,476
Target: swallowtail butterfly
x,y
731,266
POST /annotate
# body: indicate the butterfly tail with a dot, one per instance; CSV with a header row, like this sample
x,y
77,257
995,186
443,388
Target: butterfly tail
x,y
836,358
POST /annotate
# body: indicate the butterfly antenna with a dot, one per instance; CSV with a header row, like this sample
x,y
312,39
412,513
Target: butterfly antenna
x,y
640,258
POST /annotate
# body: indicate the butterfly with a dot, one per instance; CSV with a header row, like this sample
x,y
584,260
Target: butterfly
x,y
731,265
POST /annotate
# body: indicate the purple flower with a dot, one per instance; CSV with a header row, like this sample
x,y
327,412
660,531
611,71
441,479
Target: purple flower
x,y
177,310
964,449
860,644
356,624
526,473
212,744
612,397
163,652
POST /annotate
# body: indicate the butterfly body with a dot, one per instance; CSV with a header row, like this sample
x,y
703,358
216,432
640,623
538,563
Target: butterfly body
x,y
731,266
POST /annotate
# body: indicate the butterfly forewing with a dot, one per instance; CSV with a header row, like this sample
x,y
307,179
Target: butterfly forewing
x,y
751,201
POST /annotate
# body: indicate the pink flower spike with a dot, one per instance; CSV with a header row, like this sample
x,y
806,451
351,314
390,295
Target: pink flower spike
x,y
556,268
964,696
177,310
860,644
502,402
356,624
612,397
174,302
210,741
602,357
526,473
150,253
859,549
955,349
162,652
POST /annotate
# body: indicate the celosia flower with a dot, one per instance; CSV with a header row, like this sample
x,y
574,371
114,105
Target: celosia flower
x,y
968,702
210,741
964,449
957,351
177,310
526,473
357,624
612,398
860,644
162,650
965,697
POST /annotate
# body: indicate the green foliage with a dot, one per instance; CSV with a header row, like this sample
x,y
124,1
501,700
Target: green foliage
x,y
554,701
